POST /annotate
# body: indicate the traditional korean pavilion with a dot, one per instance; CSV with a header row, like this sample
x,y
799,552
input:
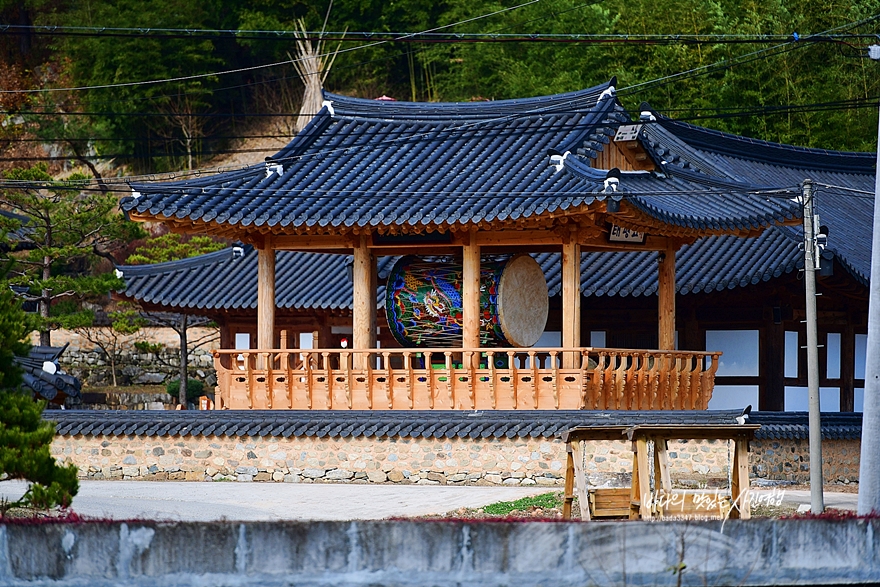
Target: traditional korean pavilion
x,y
565,178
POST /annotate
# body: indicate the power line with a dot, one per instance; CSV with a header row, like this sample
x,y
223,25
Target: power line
x,y
284,35
443,135
255,67
728,63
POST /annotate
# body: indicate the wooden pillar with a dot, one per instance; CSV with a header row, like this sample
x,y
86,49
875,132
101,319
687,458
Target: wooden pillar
x,y
470,294
571,298
771,391
666,299
847,367
364,300
265,297
374,287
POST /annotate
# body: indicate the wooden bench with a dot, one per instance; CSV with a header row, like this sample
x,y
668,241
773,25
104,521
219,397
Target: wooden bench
x,y
613,502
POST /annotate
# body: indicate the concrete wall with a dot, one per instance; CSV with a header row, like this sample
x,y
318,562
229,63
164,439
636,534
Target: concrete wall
x,y
491,461
425,554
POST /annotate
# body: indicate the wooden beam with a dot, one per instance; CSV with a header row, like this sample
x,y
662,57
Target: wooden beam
x,y
666,299
652,243
470,293
266,296
364,298
311,242
571,298
518,237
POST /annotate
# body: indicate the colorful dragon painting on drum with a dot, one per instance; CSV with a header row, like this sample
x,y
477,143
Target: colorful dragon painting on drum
x,y
424,308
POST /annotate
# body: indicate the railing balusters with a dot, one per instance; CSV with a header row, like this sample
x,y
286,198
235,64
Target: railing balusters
x,y
555,382
490,362
431,379
605,379
407,364
389,378
449,381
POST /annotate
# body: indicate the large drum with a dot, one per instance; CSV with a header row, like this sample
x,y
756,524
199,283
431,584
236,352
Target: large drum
x,y
423,302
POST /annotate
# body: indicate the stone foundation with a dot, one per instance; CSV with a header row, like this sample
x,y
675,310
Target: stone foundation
x,y
424,462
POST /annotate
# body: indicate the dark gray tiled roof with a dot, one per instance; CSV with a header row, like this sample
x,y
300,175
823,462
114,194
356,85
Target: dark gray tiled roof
x,y
420,424
786,425
54,387
694,151
227,279
410,165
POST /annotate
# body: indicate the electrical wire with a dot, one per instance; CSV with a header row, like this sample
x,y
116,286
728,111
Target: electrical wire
x,y
426,37
255,67
450,135
575,101
728,63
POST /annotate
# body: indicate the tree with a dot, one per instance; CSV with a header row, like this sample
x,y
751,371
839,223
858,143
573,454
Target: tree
x,y
60,234
13,331
172,247
24,435
124,321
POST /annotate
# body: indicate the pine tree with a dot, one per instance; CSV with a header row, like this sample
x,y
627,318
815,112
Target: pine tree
x,y
24,435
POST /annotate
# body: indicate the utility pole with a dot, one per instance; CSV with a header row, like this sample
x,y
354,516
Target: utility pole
x,y
811,261
869,464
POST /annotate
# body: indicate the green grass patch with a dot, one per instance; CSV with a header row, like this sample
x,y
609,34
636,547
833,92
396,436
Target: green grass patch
x,y
543,501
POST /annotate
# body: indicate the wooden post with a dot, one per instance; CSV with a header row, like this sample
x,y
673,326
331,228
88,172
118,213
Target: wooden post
x,y
847,367
739,482
666,299
571,298
470,294
771,392
364,297
265,298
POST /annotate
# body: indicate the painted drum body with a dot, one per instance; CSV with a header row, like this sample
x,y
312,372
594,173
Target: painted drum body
x,y
424,308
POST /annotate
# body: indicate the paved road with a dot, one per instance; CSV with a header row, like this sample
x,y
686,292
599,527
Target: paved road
x,y
192,501
796,497
169,500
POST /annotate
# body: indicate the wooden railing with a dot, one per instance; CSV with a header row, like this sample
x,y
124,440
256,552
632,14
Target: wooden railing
x,y
466,379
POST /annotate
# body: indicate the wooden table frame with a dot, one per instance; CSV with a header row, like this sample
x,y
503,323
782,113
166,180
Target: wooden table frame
x,y
660,435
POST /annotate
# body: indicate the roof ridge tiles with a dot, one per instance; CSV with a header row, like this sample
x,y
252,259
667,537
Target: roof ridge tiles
x,y
768,151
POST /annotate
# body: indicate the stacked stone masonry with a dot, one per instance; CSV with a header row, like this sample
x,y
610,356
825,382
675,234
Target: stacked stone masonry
x,y
424,462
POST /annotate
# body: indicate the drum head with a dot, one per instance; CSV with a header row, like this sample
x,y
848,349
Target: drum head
x,y
522,301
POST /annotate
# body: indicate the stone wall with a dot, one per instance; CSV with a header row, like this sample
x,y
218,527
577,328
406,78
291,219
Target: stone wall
x,y
426,462
84,360
789,460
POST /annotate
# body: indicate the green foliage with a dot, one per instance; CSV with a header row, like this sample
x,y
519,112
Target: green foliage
x,y
195,388
64,233
167,125
152,348
544,501
13,330
172,247
24,453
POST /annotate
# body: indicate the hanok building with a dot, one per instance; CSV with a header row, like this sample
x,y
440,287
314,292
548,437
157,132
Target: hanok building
x,y
607,207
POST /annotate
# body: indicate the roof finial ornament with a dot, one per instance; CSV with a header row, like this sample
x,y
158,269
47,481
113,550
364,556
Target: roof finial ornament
x,y
329,106
558,160
612,180
272,166
609,92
